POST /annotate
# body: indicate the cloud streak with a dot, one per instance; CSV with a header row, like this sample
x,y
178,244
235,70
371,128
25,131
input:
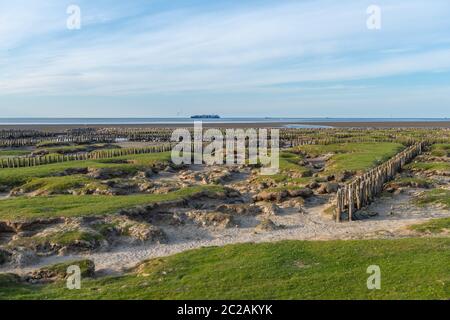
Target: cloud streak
x,y
226,47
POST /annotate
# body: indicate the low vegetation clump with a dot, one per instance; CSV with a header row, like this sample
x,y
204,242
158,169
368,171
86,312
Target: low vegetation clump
x,y
440,150
291,170
59,271
59,239
430,166
436,196
414,182
434,226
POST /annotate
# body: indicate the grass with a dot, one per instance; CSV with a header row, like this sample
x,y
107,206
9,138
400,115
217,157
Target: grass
x,y
435,196
55,185
414,182
434,226
440,150
62,238
289,166
410,269
46,144
79,148
60,269
285,188
290,162
429,166
85,205
14,177
356,157
13,153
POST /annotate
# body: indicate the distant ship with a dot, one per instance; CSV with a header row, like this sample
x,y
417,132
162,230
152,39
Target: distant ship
x,y
205,116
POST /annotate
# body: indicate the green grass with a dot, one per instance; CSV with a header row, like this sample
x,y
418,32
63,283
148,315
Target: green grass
x,y
289,166
355,157
433,226
13,153
14,177
429,166
290,162
55,185
435,196
61,268
414,182
62,238
44,144
85,205
79,148
440,150
410,269
285,188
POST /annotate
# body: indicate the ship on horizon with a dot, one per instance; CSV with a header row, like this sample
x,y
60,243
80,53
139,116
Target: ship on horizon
x,y
205,116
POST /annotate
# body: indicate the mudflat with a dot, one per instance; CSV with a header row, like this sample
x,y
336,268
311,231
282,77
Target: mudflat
x,y
250,124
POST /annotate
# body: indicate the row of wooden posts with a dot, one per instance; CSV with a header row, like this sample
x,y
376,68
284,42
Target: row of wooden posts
x,y
362,190
19,162
332,140
296,137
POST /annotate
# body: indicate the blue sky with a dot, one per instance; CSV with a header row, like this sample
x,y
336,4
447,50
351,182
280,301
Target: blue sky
x,y
303,58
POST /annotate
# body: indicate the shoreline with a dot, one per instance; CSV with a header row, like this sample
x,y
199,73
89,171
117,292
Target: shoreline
x,y
250,124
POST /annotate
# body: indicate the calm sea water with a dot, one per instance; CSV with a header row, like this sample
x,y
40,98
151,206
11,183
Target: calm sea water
x,y
110,121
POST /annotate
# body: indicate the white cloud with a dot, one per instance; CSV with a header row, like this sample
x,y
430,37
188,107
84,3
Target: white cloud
x,y
233,49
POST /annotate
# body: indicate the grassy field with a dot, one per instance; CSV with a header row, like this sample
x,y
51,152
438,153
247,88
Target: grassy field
x,y
353,156
14,177
20,208
410,269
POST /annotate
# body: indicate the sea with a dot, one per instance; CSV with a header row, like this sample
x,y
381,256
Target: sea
x,y
288,122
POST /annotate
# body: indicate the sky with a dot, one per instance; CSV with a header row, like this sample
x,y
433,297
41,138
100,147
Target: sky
x,y
265,58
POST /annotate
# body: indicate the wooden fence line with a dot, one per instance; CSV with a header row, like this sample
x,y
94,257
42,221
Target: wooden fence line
x,y
362,190
20,162
293,137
